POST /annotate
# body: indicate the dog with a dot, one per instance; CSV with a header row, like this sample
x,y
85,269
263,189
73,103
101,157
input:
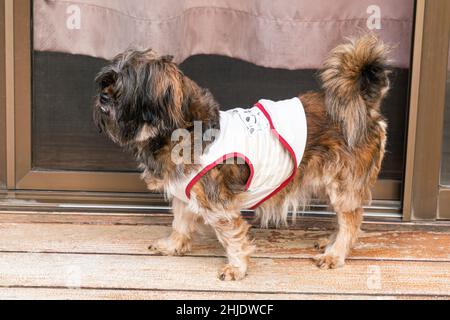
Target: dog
x,y
143,98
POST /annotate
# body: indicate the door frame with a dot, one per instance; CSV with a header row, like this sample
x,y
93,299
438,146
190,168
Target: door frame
x,y
2,98
424,198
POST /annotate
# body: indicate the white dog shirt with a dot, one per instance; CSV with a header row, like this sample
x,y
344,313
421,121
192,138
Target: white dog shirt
x,y
270,138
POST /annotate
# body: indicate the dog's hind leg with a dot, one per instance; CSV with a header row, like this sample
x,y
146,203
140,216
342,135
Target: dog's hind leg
x,y
336,251
232,231
184,225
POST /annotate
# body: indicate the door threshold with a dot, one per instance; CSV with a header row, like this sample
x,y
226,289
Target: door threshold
x,y
378,209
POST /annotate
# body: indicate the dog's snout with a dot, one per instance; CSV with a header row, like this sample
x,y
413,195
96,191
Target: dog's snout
x,y
105,110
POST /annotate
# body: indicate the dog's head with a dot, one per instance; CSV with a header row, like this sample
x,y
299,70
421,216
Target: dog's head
x,y
139,97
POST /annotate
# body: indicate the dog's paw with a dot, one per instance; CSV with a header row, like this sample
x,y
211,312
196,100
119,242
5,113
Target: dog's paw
x,y
170,247
231,273
329,261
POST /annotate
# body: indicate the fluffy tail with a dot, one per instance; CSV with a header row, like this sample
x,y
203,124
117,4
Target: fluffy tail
x,y
355,79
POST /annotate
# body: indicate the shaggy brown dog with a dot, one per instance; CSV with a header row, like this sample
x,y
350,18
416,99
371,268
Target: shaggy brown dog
x,y
143,98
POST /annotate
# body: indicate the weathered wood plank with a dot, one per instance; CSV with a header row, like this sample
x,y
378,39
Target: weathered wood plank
x,y
134,240
95,294
284,276
85,218
302,223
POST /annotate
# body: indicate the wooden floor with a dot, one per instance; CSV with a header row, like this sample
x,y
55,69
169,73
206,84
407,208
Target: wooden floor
x,y
74,256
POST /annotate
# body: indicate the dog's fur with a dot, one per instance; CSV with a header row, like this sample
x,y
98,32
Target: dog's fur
x,y
142,98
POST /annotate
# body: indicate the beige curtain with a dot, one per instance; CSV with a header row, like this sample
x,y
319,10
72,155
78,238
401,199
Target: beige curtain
x,y
289,34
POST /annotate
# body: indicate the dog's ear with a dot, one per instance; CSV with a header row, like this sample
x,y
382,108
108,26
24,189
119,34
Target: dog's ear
x,y
162,99
150,93
146,91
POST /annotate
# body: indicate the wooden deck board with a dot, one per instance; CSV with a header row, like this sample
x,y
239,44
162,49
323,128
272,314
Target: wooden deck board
x,y
295,276
302,223
120,239
106,257
96,294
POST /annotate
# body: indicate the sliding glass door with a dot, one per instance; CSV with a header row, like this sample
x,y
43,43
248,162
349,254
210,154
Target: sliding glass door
x,y
57,146
2,98
427,188
444,190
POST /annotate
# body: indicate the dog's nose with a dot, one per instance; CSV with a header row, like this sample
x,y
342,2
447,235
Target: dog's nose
x,y
105,110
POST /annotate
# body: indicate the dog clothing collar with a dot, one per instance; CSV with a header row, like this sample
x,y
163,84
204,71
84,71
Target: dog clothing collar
x,y
270,138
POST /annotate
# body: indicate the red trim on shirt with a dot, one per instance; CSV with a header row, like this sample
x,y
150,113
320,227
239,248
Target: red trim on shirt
x,y
216,163
288,148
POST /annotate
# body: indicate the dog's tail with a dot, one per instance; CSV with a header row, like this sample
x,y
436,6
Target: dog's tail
x,y
355,79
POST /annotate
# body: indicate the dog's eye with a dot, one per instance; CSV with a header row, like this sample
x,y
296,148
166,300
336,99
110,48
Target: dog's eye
x,y
104,98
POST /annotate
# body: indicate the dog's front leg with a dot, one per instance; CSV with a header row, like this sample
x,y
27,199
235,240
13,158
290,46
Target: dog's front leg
x,y
184,225
232,232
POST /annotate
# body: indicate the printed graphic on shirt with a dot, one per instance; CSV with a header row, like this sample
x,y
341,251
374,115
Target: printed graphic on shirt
x,y
253,119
